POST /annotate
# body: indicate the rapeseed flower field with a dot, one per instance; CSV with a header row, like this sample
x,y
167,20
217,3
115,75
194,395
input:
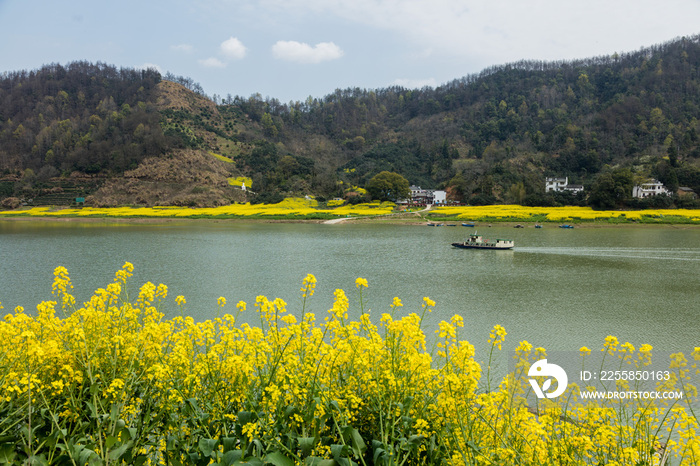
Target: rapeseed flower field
x,y
563,214
301,208
291,208
112,381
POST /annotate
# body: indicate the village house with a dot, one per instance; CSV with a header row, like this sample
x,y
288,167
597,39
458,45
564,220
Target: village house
x,y
421,196
650,188
561,184
684,191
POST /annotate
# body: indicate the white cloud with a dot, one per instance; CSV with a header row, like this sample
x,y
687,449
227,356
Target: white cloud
x,y
233,48
212,62
151,66
415,83
184,48
510,30
304,53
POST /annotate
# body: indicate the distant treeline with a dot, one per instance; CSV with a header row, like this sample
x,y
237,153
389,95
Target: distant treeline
x,y
90,118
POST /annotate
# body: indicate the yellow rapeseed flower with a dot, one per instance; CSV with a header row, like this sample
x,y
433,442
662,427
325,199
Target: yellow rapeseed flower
x,y
497,336
308,286
361,282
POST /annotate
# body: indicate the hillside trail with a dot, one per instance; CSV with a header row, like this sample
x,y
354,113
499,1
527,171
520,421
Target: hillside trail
x,y
342,219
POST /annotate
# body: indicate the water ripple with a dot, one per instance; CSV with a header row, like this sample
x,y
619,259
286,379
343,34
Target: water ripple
x,y
678,254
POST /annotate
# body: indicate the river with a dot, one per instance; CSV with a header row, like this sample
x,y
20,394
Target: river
x,y
560,289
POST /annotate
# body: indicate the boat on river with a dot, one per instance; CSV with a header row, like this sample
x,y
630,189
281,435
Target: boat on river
x,y
478,242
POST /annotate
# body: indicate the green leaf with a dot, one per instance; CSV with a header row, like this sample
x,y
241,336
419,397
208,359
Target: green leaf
x,y
172,444
7,454
278,459
85,454
379,450
289,410
109,443
473,446
119,452
355,439
315,461
39,460
415,439
93,411
231,457
114,413
193,403
229,443
306,445
133,432
207,446
245,417
338,451
175,460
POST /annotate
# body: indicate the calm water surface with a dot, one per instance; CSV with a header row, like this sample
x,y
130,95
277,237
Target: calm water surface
x,y
560,289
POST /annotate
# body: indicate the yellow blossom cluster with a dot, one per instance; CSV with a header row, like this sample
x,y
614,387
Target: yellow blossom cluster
x,y
113,381
223,158
240,181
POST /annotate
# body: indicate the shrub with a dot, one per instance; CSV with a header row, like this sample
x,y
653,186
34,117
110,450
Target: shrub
x,y
11,203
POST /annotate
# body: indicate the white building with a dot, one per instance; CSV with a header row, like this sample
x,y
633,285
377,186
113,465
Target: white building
x,y
439,197
650,188
561,184
427,196
555,184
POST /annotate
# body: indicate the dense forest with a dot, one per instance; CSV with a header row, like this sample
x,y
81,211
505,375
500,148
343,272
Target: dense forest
x,y
606,123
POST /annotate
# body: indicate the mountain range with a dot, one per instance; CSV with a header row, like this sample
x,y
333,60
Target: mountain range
x,y
118,136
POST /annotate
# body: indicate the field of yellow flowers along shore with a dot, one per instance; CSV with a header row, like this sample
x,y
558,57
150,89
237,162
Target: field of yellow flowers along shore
x,y
111,381
518,213
299,209
292,209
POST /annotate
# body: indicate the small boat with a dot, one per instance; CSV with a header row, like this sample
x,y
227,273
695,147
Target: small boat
x,y
519,226
538,226
478,242
451,225
566,225
469,224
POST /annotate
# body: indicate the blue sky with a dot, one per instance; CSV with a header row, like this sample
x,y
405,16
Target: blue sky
x,y
292,49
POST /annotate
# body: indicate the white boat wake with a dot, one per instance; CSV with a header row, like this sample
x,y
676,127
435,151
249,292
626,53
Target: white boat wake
x,y
679,254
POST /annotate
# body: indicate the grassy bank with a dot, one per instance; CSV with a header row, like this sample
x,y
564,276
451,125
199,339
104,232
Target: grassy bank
x,y
114,382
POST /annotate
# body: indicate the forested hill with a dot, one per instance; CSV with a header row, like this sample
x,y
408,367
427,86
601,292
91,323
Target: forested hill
x,y
134,137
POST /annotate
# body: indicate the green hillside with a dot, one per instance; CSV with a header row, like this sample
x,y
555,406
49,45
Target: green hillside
x,y
121,136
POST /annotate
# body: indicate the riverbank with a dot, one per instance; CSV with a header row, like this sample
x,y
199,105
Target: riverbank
x,y
303,210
